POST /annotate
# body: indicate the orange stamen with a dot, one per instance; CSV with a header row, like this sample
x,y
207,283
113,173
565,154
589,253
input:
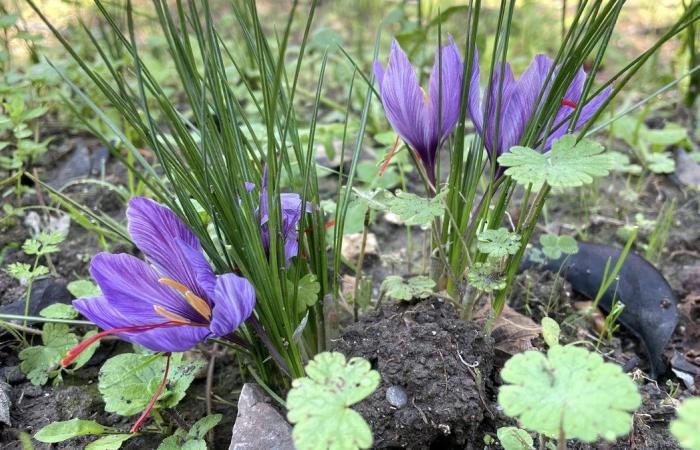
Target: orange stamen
x,y
192,299
386,162
569,103
78,349
170,315
154,399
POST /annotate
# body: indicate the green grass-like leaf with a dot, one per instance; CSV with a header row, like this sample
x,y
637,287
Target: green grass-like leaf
x,y
571,390
567,164
319,404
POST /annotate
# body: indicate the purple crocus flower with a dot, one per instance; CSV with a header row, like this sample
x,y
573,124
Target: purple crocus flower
x,y
415,115
173,301
291,211
518,104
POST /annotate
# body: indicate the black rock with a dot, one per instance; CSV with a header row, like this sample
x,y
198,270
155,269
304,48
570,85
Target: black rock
x,y
45,292
651,308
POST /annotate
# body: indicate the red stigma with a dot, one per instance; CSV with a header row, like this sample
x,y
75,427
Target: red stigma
x,y
154,399
386,162
569,103
327,225
78,349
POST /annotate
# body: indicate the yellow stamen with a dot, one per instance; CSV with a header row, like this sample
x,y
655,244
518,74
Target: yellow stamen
x,y
170,315
174,284
199,304
425,97
191,298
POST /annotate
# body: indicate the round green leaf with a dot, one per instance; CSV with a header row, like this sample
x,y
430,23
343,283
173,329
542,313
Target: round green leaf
x,y
499,243
686,428
513,438
319,404
570,390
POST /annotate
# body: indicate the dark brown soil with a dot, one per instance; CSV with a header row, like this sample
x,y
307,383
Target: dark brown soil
x,y
438,360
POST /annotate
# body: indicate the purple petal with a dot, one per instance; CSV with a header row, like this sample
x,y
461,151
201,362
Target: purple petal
x,y
132,287
446,82
167,339
159,233
378,74
503,91
588,110
474,101
204,275
404,102
234,302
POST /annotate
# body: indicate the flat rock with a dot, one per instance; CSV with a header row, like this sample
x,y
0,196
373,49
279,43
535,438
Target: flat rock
x,y
5,403
259,426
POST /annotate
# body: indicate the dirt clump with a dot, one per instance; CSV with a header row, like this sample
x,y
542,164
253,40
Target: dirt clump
x,y
433,366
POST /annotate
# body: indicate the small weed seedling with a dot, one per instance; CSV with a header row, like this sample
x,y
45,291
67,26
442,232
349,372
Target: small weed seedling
x,y
319,403
568,393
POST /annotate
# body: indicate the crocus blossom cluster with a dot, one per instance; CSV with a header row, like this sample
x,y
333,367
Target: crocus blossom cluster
x,y
422,120
415,116
518,104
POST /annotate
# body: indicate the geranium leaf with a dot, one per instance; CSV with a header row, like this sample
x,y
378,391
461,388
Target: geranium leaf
x,y
569,390
417,287
685,427
319,404
499,243
567,164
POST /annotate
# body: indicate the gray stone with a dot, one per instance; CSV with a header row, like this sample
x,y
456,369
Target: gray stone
x,y
396,396
259,426
5,403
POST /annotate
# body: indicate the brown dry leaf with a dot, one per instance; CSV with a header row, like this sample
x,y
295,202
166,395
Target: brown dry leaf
x,y
597,319
352,243
513,332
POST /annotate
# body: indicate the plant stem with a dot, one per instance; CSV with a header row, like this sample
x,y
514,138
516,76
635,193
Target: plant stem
x,y
360,261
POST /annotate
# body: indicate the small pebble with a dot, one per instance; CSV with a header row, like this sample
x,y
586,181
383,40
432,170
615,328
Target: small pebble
x,y
396,396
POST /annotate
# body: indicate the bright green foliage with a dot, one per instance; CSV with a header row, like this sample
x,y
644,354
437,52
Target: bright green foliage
x,y
128,381
60,431
570,392
621,163
553,245
513,438
416,287
192,439
485,277
59,311
550,331
319,404
660,163
41,361
44,244
567,164
686,428
83,288
308,291
109,442
499,243
24,272
415,210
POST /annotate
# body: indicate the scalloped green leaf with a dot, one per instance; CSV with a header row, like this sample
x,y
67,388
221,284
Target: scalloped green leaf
x,y
416,287
499,243
570,390
415,210
567,164
685,427
319,404
553,245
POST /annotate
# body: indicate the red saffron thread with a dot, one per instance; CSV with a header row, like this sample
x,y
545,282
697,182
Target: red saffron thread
x,y
569,103
327,225
154,399
78,349
386,162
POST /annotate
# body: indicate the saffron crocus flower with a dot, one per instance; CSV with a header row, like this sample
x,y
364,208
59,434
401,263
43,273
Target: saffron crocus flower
x,y
290,212
169,303
519,104
415,115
